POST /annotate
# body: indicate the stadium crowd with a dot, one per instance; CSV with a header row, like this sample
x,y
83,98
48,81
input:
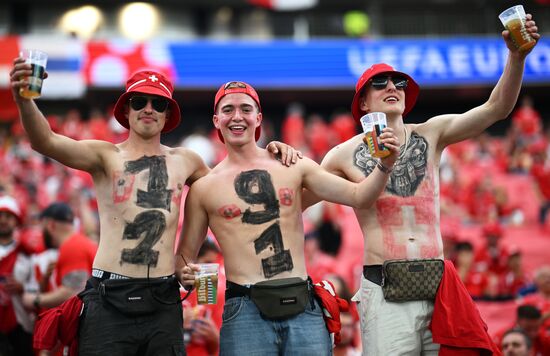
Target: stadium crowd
x,y
490,187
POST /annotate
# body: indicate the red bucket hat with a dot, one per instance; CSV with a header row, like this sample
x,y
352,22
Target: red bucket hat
x,y
411,93
153,83
238,87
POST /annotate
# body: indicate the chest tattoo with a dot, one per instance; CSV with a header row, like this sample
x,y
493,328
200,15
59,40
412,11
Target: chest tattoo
x,y
408,171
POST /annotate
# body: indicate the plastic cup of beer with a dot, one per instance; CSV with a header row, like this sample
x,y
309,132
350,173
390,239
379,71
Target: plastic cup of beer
x,y
373,123
37,60
513,20
206,283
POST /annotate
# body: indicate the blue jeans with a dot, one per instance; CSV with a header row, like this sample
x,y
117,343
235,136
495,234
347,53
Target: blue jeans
x,y
245,332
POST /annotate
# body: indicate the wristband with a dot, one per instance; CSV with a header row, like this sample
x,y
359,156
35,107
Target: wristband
x,y
383,168
36,301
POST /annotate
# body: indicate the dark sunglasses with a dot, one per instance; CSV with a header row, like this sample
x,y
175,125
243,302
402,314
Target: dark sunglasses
x,y
234,85
139,102
381,82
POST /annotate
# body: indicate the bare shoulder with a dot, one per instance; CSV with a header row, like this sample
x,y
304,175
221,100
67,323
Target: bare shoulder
x,y
338,154
183,153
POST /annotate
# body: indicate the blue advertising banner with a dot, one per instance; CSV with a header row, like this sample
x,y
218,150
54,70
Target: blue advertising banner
x,y
338,63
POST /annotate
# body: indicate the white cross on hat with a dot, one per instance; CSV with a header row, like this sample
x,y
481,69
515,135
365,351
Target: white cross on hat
x,y
153,78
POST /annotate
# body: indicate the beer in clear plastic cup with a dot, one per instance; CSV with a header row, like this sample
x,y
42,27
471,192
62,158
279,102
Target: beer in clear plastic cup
x,y
373,123
37,60
206,283
514,21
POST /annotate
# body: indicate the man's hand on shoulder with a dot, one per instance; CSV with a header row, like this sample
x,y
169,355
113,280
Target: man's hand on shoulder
x,y
286,154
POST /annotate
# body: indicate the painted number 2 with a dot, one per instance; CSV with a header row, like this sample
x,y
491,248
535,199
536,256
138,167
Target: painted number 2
x,y
255,187
151,223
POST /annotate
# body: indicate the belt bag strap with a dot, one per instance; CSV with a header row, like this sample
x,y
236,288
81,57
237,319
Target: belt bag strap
x,y
407,280
280,298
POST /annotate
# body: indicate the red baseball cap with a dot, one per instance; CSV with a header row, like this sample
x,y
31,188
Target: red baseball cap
x,y
411,92
238,87
153,83
493,229
9,205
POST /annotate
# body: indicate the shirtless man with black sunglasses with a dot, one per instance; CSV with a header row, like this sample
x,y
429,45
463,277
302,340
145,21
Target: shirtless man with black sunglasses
x,y
139,185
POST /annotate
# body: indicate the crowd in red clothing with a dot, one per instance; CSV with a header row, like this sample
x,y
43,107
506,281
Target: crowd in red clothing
x,y
334,245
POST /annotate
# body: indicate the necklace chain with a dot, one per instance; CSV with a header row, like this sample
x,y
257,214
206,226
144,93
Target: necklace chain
x,y
402,153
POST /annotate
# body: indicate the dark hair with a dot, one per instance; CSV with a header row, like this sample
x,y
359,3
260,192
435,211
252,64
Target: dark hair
x,y
528,312
207,246
464,246
521,332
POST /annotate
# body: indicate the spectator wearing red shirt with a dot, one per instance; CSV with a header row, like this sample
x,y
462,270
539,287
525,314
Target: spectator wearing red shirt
x,y
476,282
15,322
513,278
526,121
528,320
541,299
540,170
202,323
76,255
492,257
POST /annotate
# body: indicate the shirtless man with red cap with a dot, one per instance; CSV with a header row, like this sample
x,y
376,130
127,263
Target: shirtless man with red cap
x,y
132,301
254,209
404,222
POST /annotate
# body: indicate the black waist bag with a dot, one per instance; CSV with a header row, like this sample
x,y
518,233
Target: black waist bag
x,y
280,298
406,280
136,296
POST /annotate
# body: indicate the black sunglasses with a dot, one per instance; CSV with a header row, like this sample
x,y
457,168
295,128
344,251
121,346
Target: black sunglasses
x,y
233,85
381,82
139,102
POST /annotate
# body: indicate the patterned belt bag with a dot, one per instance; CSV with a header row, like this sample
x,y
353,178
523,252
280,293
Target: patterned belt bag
x,y
406,280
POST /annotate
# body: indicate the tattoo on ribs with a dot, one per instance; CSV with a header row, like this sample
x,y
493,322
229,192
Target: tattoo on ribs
x,y
256,187
409,169
150,223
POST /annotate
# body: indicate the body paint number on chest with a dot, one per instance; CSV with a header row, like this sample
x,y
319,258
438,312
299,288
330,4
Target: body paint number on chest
x,y
151,223
256,187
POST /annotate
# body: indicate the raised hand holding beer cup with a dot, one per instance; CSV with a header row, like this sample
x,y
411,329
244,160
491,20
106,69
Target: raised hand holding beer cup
x,y
28,73
380,140
520,29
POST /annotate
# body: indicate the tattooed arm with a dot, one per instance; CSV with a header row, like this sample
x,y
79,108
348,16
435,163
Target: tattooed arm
x,y
193,234
455,128
331,187
72,283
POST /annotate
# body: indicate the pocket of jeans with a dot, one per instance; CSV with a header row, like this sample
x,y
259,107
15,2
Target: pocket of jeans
x,y
232,308
315,311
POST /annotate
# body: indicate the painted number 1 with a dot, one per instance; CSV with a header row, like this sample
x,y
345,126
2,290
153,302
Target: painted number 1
x,y
151,223
256,187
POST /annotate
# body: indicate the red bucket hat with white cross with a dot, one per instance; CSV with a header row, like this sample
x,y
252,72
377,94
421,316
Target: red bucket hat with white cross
x,y
411,92
152,83
238,87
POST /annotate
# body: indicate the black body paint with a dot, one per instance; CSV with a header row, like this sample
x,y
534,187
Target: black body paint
x,y
261,180
150,223
408,171
256,187
156,196
281,261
